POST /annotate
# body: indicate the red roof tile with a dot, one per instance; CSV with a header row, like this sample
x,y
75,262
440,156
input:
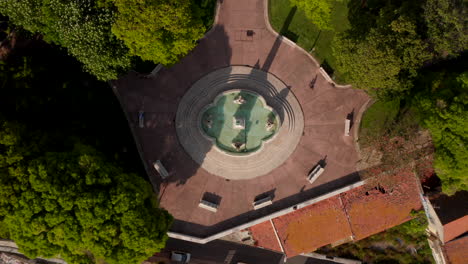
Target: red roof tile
x,y
455,228
373,210
382,203
312,227
264,235
457,250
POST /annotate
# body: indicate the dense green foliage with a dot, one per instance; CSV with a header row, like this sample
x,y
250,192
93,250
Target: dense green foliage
x,y
444,108
159,31
317,11
75,204
390,246
447,25
104,35
78,26
382,59
390,40
59,196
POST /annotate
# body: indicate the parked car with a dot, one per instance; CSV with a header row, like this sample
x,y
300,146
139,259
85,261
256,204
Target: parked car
x,y
181,257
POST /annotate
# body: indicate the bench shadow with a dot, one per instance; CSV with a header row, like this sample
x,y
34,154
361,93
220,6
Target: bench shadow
x,y
158,96
322,163
212,198
205,231
270,194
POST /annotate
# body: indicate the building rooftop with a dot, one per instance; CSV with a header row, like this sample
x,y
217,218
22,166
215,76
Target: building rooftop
x,y
455,228
457,250
385,202
263,236
313,226
382,203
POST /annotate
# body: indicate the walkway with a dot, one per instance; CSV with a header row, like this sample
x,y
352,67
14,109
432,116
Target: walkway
x,y
325,108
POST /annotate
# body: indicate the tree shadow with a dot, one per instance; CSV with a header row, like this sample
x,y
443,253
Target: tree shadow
x,y
316,39
158,139
287,22
290,201
244,112
327,67
283,31
350,117
213,122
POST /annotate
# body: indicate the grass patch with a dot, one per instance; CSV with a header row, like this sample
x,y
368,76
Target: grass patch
x,y
292,23
388,118
377,119
406,243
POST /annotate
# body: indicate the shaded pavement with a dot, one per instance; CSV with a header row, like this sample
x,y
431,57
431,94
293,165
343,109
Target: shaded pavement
x,y
220,252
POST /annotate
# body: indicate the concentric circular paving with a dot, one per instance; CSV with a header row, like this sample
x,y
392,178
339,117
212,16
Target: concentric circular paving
x,y
202,148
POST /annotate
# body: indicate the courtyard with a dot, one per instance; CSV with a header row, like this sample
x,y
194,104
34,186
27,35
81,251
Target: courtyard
x,y
242,51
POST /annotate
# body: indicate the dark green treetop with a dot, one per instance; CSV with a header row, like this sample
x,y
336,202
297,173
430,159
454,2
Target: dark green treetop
x,y
75,204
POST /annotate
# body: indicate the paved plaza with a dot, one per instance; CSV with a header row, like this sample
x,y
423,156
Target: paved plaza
x,y
272,153
242,36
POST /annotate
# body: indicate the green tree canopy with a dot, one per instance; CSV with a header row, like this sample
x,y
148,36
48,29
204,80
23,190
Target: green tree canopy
x,y
446,25
385,60
318,11
391,40
58,195
444,107
77,25
161,31
75,204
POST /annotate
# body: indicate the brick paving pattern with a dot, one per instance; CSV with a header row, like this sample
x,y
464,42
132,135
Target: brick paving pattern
x,y
325,108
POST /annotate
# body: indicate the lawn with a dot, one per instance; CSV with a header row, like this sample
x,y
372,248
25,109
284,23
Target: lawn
x,y
392,118
292,23
377,120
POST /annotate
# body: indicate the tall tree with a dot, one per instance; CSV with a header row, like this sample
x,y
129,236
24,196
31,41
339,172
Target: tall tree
x,y
446,25
385,60
75,204
161,31
444,108
77,25
58,195
318,11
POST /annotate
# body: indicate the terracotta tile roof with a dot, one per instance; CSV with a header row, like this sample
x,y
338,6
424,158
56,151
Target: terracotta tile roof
x,y
387,204
312,227
455,228
264,234
457,250
371,209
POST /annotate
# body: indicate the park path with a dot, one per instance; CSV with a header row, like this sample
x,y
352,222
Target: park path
x,y
325,108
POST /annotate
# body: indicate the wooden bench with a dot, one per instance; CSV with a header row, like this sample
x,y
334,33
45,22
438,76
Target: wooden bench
x,y
208,206
315,173
347,127
262,202
160,169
